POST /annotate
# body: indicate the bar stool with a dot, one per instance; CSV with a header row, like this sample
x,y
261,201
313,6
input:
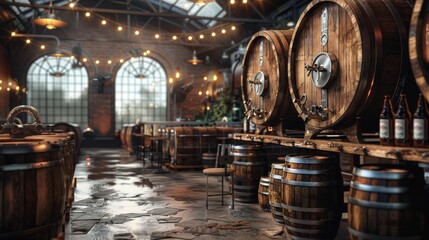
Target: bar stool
x,y
221,160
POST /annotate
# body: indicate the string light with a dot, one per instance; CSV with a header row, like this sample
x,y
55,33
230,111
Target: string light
x,y
214,78
213,34
120,28
13,34
205,78
170,80
87,14
174,37
232,1
121,60
28,41
84,59
190,38
201,36
103,22
72,5
244,1
137,33
109,62
42,47
223,31
157,36
207,92
233,28
200,93
97,61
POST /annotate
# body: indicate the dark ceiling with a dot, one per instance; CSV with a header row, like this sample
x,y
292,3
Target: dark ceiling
x,y
169,16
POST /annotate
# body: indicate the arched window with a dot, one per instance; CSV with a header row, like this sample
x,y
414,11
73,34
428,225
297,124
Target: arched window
x,y
140,91
58,91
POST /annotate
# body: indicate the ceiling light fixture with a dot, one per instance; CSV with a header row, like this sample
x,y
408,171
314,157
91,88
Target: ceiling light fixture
x,y
49,20
201,2
194,60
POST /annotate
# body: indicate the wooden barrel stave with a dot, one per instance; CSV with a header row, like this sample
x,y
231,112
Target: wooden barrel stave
x,y
369,42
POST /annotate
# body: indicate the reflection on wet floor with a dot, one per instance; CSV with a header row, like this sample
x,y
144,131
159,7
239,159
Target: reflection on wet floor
x,y
117,197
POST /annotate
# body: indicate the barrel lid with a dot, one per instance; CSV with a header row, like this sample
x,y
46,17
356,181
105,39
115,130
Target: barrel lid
x,y
308,159
246,147
386,171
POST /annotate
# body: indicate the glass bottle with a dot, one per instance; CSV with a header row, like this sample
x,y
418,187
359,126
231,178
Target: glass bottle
x,y
420,123
386,122
403,123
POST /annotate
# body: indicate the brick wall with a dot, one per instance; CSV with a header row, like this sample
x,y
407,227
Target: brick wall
x,y
104,43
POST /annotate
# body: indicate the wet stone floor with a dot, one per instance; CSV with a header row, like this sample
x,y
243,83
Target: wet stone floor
x,y
119,197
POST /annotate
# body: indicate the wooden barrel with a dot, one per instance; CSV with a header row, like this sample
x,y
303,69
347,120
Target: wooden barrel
x,y
32,189
419,45
264,78
208,160
276,187
132,137
187,144
184,146
312,196
250,165
263,194
386,202
345,56
71,127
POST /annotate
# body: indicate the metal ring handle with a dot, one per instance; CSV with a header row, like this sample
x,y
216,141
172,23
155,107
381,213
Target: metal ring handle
x,y
20,109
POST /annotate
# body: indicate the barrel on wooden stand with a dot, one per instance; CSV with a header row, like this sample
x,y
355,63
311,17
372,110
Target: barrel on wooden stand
x,y
250,165
312,196
32,188
276,187
386,202
264,83
419,45
263,194
345,57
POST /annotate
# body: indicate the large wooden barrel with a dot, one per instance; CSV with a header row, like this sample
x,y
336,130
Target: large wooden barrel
x,y
419,45
187,144
32,189
345,56
250,165
312,196
276,187
263,194
132,137
264,78
184,146
386,202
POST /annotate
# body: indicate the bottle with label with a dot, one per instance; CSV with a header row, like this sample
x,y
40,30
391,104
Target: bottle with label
x,y
386,122
420,123
403,123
